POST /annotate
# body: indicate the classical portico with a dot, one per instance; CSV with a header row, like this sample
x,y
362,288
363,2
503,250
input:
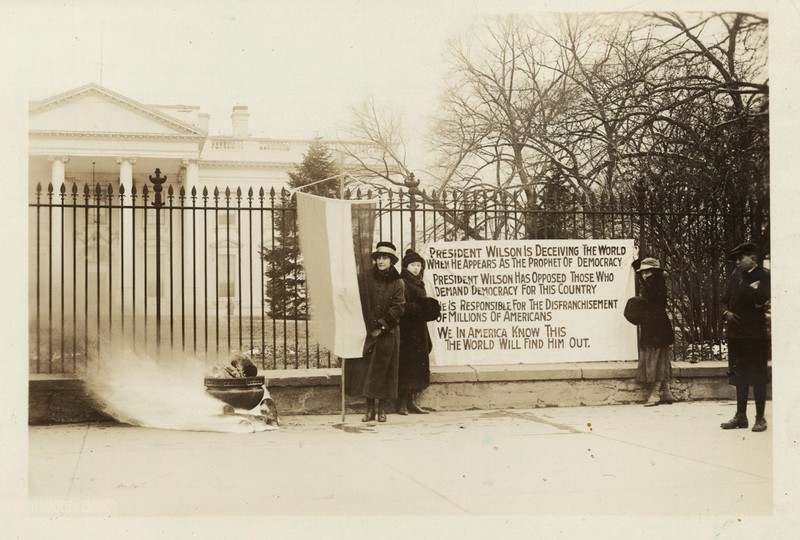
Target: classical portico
x,y
92,134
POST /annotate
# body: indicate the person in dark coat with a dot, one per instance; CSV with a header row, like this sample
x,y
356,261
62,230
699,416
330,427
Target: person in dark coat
x,y
382,344
415,341
745,304
649,311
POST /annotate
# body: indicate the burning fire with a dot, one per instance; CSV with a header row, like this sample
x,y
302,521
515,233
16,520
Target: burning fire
x,y
166,393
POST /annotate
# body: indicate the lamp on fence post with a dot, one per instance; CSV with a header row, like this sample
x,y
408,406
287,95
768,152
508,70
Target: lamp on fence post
x,y
158,181
411,183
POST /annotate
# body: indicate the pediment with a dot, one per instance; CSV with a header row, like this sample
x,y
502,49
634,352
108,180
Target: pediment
x,y
92,109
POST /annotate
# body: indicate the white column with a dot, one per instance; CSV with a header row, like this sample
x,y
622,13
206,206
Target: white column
x,y
125,281
58,170
126,173
193,291
57,179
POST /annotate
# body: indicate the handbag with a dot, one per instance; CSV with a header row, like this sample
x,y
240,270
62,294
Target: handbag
x,y
635,310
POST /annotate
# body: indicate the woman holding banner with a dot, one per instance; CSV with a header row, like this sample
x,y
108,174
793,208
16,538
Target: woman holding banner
x,y
415,341
382,346
649,311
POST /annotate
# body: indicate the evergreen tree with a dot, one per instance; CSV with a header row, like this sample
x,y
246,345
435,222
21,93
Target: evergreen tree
x,y
285,274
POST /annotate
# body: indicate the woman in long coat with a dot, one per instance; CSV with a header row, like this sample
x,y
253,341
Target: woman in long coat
x,y
746,302
649,311
415,341
382,345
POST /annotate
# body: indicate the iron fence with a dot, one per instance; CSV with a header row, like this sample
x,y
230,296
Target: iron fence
x,y
162,269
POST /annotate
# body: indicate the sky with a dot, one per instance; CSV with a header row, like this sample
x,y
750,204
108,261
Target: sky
x,y
300,67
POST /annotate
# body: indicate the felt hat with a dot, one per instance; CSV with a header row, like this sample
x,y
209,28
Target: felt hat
x,y
650,264
746,247
385,248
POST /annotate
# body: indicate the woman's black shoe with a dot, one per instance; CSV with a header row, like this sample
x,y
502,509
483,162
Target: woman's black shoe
x,y
735,422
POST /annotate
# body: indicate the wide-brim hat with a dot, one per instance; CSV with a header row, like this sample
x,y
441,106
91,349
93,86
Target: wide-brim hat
x,y
746,247
412,256
650,264
386,248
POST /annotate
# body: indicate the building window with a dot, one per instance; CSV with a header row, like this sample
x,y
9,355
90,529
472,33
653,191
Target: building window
x,y
226,275
227,219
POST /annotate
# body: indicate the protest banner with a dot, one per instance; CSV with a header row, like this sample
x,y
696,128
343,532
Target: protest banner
x,y
531,301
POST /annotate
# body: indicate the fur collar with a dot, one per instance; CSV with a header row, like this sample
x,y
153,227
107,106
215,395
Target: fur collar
x,y
411,278
385,275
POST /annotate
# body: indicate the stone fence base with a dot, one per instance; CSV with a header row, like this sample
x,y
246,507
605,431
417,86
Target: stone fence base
x,y
58,399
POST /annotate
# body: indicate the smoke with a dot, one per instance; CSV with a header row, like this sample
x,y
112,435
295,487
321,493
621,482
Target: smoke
x,y
164,392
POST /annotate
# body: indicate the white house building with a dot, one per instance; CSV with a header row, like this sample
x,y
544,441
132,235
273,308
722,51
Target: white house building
x,y
93,131
90,254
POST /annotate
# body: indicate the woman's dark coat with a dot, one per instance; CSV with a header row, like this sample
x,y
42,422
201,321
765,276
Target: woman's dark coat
x,y
382,353
649,311
746,295
415,341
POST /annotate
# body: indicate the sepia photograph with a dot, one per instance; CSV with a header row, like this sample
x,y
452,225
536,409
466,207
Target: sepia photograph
x,y
437,269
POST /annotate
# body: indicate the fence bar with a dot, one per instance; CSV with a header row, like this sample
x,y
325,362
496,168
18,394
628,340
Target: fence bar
x,y
263,271
182,202
74,277
62,195
109,198
122,261
133,265
170,194
50,278
239,258
250,259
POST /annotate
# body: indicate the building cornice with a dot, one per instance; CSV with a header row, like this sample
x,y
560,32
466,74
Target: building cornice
x,y
115,135
225,164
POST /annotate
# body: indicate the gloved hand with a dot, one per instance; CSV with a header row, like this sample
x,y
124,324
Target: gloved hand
x,y
730,316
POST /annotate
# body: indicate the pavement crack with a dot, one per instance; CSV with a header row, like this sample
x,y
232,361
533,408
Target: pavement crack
x,y
537,419
411,478
78,460
681,456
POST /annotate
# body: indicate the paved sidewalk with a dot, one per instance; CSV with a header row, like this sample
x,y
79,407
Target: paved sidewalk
x,y
626,460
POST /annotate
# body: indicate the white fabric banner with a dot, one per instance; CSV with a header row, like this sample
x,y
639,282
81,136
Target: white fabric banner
x,y
531,301
326,243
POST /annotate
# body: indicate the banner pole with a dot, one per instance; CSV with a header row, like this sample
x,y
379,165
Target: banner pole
x,y
343,416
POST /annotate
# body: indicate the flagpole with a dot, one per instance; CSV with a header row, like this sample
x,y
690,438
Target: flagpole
x,y
341,196
343,399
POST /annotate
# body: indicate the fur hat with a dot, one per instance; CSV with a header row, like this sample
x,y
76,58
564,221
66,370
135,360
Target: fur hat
x,y
385,248
650,264
747,247
412,256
